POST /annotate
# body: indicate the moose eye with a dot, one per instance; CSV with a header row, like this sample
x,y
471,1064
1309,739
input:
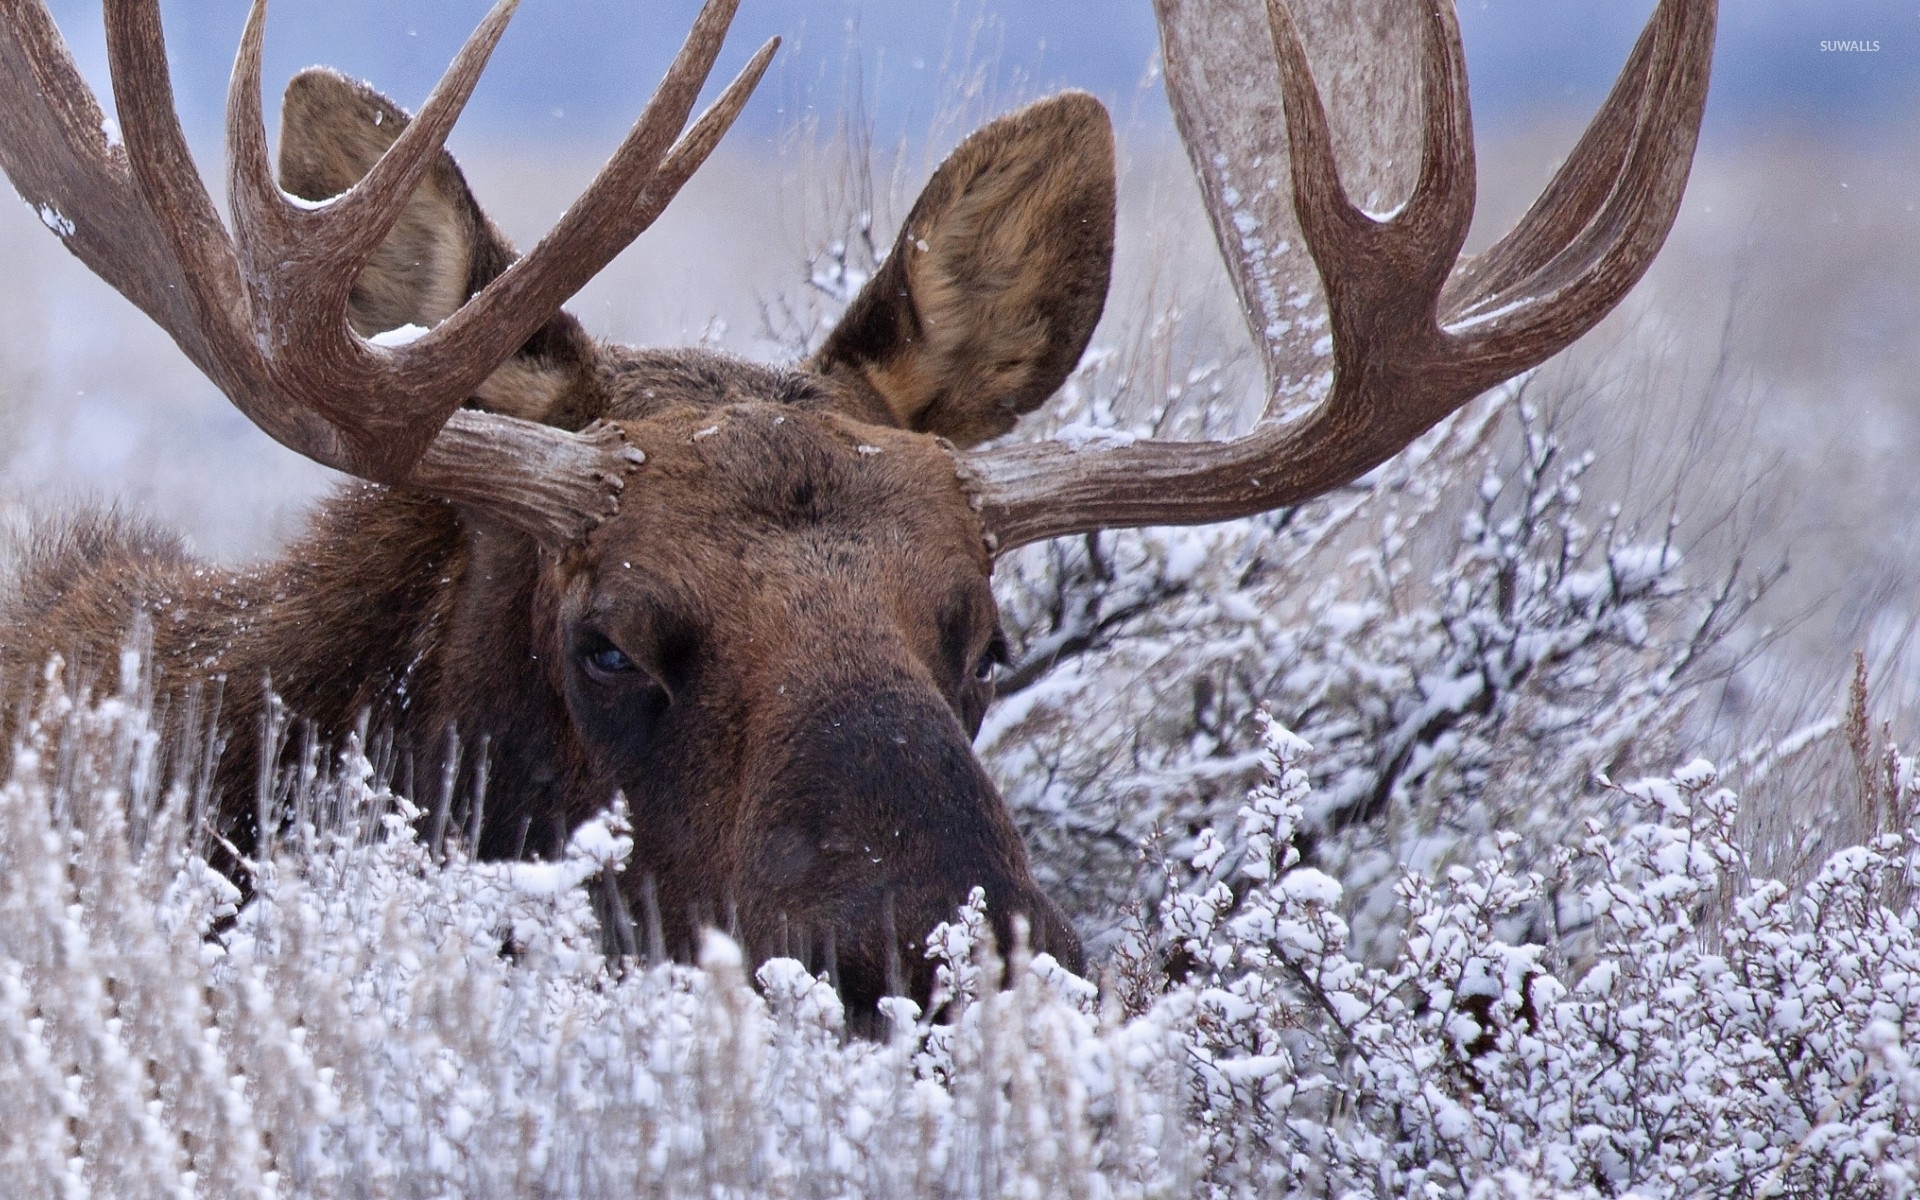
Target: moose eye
x,y
607,662
987,669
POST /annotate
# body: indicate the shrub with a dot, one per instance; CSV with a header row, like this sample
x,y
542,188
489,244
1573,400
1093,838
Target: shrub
x,y
372,1022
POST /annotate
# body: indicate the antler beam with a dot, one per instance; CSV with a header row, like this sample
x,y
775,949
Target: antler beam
x,y
1417,333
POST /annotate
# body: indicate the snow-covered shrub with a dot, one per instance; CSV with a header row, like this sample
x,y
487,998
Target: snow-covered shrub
x,y
373,1022
1462,635
1726,1036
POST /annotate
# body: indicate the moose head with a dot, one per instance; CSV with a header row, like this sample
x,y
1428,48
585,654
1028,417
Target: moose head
x,y
781,644
756,600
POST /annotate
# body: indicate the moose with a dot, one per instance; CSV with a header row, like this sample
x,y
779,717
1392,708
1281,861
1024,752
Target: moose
x,y
754,599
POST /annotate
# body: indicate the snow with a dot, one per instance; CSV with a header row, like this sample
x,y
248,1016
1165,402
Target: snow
x,y
1697,774
1637,567
1308,886
55,220
1485,316
301,202
1805,736
1344,620
1261,257
1186,555
402,335
1081,436
719,953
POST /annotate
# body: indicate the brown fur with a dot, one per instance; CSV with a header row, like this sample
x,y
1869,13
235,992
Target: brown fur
x,y
997,279
795,579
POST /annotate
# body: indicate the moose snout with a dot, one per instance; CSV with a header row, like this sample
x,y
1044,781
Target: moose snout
x,y
873,827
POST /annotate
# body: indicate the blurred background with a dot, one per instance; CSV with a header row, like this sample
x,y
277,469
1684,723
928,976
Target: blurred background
x,y
574,70
1773,347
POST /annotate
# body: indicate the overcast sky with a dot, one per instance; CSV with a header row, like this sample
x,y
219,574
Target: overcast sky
x,y
579,69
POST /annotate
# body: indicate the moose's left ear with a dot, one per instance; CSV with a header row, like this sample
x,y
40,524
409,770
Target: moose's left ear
x,y
998,278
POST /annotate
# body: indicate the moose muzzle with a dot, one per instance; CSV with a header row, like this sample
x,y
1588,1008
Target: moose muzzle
x,y
875,823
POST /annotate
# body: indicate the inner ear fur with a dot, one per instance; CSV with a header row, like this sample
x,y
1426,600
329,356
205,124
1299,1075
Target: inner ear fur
x,y
998,278
440,252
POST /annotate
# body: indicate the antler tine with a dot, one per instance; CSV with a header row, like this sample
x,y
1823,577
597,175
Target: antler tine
x,y
209,270
1593,173
698,142
1326,216
1606,254
65,165
302,263
388,403
259,210
694,146
368,211
272,230
157,152
1397,370
601,223
1424,237
1440,210
1575,194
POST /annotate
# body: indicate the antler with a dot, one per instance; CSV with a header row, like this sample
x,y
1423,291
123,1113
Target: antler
x,y
263,313
1416,333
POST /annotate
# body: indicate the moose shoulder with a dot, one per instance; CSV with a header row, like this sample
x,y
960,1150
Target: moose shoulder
x,y
753,599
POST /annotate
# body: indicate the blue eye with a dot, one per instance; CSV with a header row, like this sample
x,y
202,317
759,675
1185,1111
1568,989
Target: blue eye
x,y
608,661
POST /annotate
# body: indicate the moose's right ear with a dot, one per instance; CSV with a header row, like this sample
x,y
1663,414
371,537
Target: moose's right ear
x,y
440,252
999,277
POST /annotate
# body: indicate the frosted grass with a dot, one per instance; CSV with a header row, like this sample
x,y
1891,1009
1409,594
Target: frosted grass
x,y
371,1022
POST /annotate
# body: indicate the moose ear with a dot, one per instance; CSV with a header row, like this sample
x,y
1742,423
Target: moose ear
x,y
997,281
440,252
